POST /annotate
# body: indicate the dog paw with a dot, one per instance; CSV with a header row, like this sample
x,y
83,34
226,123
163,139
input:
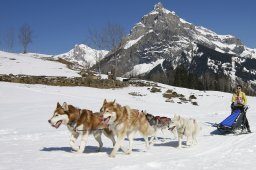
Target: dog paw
x,y
151,143
98,150
112,155
75,148
128,152
79,151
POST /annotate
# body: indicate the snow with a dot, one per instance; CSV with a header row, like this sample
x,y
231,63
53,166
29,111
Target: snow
x,y
28,142
185,22
32,64
219,50
132,42
247,53
204,31
219,42
143,68
212,65
160,9
224,45
140,24
153,12
245,70
82,54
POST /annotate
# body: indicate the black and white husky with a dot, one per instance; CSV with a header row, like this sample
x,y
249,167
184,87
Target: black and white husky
x,y
159,123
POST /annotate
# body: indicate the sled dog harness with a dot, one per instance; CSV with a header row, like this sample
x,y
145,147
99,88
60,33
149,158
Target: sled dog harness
x,y
72,124
137,116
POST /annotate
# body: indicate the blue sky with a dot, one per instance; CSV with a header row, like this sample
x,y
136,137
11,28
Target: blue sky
x,y
58,25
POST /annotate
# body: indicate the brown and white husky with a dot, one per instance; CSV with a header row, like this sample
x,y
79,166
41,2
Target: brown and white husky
x,y
124,121
71,116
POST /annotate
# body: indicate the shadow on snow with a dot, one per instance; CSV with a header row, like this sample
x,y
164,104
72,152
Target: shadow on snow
x,y
88,149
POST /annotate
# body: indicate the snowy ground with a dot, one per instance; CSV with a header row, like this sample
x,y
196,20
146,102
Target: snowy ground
x,y
28,142
32,64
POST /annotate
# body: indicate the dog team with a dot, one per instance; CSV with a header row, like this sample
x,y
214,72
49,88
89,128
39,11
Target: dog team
x,y
117,122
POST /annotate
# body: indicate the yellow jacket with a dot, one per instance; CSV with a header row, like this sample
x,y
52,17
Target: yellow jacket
x,y
239,99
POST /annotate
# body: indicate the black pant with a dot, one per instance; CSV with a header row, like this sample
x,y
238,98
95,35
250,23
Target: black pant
x,y
245,120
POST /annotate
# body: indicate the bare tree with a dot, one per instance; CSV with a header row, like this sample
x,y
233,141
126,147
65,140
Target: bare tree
x,y
99,57
9,39
25,36
97,40
113,35
109,37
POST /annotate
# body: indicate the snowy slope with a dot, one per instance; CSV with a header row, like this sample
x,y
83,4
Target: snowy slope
x,y
83,55
32,64
141,69
28,142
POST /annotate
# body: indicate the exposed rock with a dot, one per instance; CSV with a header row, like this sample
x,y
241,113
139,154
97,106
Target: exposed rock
x,y
63,81
181,54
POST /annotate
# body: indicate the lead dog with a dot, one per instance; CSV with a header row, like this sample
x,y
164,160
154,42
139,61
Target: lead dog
x,y
125,122
71,116
185,127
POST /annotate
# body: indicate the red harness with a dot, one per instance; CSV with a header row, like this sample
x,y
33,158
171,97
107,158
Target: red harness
x,y
162,119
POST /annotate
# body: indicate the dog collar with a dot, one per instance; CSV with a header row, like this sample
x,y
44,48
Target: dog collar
x,y
72,124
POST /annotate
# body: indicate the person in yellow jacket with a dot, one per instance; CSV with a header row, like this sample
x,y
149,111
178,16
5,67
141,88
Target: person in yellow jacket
x,y
239,100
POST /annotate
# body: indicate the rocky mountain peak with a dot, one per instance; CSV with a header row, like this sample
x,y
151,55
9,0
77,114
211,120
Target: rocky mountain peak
x,y
158,7
83,55
166,48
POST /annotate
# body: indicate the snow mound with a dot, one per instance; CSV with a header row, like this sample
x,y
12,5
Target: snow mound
x,y
32,64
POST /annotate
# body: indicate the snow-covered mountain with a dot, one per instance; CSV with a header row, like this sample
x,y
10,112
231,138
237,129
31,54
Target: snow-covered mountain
x,y
173,50
83,55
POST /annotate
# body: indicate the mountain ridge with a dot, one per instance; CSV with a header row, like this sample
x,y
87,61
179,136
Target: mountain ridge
x,y
83,55
161,35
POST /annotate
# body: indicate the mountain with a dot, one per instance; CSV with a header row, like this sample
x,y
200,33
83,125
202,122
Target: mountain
x,y
83,55
164,47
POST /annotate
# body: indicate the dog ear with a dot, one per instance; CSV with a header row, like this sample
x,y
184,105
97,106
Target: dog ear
x,y
58,105
65,106
114,102
105,101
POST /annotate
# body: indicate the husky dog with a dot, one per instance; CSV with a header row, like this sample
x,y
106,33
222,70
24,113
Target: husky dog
x,y
185,127
71,116
125,121
158,122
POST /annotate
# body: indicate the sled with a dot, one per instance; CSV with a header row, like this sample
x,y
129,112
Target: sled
x,y
233,123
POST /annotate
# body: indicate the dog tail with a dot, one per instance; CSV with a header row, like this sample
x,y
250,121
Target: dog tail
x,y
197,125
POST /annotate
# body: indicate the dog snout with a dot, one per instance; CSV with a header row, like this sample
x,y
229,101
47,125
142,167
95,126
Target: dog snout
x,y
49,120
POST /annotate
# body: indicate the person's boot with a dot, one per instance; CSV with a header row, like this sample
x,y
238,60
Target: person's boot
x,y
249,130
